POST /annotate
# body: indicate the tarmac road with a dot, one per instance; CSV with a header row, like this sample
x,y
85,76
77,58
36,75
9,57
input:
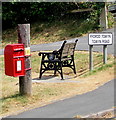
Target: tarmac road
x,y
88,103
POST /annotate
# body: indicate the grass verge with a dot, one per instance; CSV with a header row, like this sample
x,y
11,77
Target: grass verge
x,y
44,93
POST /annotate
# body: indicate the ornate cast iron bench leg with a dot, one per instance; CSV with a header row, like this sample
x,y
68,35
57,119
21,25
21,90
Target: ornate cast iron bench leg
x,y
74,69
40,71
55,69
61,71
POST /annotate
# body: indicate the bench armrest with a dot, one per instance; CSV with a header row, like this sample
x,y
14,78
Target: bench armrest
x,y
49,55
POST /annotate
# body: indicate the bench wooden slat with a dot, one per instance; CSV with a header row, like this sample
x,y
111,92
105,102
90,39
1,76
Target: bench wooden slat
x,y
68,49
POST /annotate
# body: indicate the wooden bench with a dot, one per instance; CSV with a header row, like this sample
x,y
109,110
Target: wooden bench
x,y
64,57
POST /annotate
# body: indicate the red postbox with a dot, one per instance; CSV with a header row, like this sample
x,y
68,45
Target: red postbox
x,y
14,60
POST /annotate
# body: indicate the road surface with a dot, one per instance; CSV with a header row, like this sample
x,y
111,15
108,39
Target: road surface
x,y
88,103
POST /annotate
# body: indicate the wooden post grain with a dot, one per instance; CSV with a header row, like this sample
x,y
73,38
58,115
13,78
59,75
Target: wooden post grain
x,y
25,82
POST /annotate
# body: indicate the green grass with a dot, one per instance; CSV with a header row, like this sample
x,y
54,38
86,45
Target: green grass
x,y
81,61
100,68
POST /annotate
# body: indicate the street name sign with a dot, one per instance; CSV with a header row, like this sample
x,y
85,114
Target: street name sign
x,y
100,39
104,39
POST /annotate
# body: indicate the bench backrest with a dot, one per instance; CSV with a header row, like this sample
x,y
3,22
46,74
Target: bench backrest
x,y
67,49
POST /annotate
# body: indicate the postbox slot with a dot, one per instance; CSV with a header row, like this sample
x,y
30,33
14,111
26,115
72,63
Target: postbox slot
x,y
17,50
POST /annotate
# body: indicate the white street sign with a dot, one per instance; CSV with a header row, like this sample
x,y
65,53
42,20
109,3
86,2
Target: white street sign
x,y
100,38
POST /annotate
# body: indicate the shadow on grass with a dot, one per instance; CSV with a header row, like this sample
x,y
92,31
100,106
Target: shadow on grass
x,y
15,96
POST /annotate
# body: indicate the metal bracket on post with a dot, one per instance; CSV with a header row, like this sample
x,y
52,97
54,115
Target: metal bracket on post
x,y
90,57
105,54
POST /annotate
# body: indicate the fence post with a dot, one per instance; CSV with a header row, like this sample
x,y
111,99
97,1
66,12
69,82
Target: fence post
x,y
25,82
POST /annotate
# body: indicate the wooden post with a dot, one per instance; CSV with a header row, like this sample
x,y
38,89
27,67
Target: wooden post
x,y
25,82
90,57
103,18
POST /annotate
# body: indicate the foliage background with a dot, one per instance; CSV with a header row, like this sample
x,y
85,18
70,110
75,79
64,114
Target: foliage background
x,y
14,13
